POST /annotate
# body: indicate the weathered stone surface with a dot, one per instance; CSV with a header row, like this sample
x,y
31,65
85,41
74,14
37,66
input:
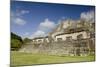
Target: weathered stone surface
x,y
71,48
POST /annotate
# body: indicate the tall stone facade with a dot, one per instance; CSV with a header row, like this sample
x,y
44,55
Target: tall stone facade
x,y
70,37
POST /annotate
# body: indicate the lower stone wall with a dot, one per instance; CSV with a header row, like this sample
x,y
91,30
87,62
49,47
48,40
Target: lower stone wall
x,y
69,48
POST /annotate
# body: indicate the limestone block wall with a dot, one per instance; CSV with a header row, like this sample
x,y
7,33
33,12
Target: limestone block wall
x,y
72,35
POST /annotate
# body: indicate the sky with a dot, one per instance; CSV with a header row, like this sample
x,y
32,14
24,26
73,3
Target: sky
x,y
32,19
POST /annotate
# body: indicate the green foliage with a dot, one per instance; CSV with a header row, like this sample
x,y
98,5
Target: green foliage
x,y
14,36
26,40
16,41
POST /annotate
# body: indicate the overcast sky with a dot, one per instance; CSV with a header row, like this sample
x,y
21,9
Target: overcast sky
x,y
31,19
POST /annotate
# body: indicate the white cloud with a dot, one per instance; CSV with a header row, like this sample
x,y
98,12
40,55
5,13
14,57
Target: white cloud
x,y
88,16
44,28
20,21
26,33
24,11
17,19
21,12
47,25
38,33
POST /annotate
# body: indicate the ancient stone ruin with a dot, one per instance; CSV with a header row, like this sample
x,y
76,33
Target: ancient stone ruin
x,y
69,38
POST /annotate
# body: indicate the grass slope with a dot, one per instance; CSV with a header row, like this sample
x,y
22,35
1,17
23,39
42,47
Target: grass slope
x,y
18,58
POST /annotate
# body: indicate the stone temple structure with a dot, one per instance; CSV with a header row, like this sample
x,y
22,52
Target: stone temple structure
x,y
70,37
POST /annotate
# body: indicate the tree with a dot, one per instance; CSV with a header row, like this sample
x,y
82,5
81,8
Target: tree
x,y
26,40
14,36
15,44
16,41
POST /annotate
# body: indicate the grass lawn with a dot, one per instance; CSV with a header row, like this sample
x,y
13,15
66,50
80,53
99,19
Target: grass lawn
x,y
18,58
